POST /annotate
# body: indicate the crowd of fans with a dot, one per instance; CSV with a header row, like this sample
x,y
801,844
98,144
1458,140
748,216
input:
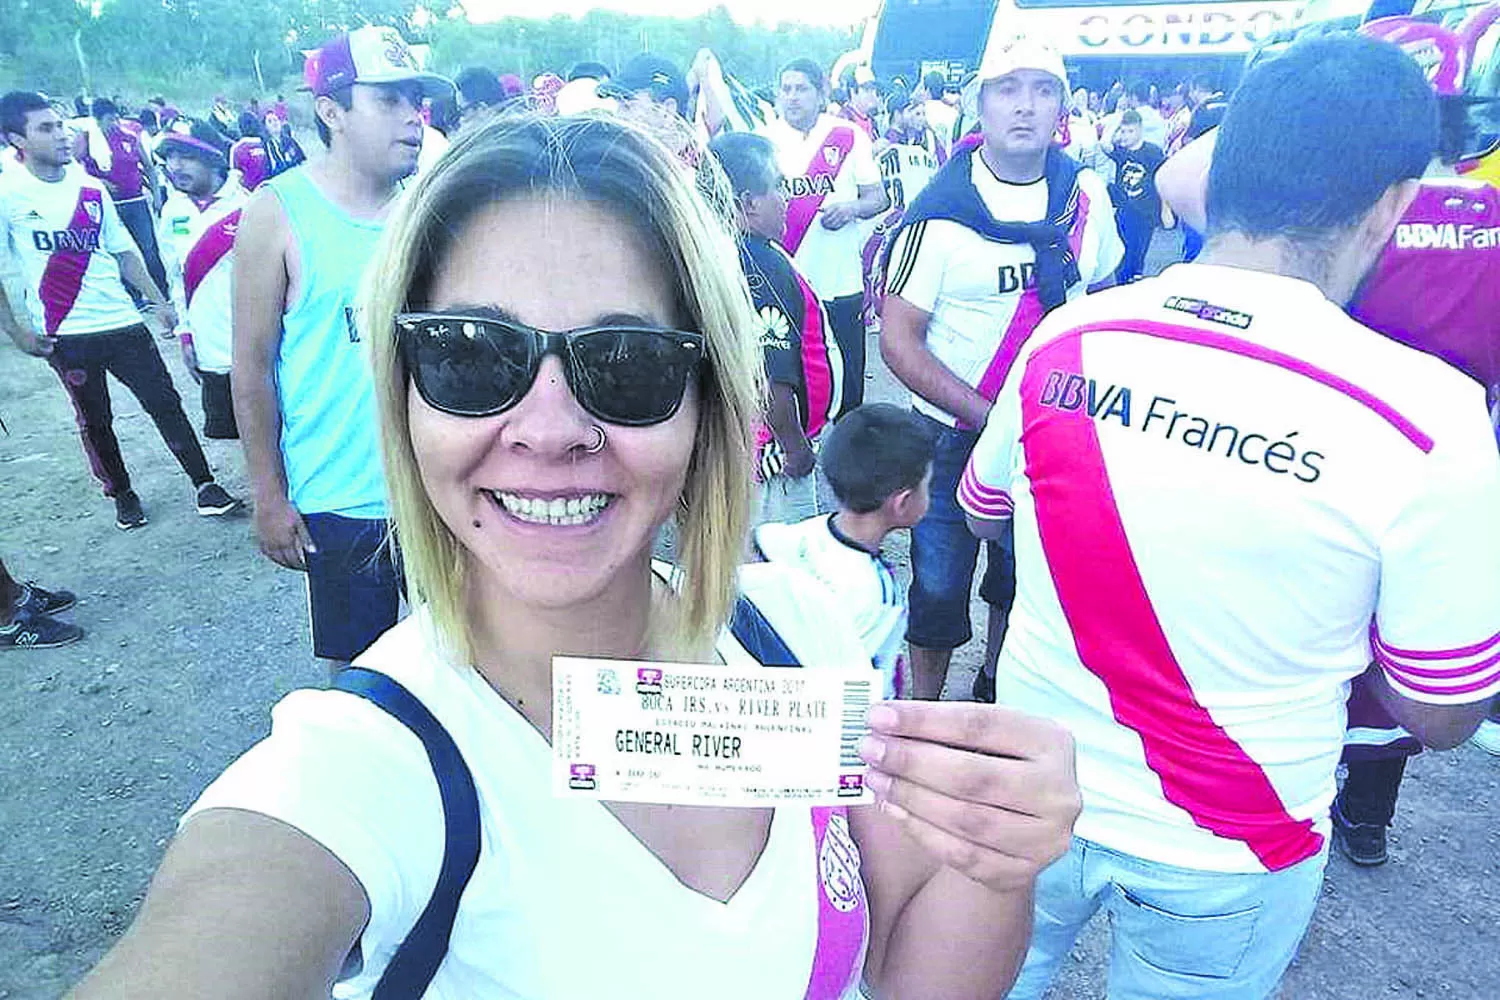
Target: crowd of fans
x,y
1190,617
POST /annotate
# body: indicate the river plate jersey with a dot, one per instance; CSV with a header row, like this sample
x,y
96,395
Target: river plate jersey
x,y
1229,498
63,235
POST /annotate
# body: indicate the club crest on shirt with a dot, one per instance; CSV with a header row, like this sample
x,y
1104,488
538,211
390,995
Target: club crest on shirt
x,y
832,155
838,866
92,210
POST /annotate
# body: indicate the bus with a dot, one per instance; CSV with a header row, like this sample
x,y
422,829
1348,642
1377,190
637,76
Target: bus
x,y
1101,40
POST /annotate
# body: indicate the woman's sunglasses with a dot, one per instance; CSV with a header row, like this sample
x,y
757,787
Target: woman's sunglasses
x,y
476,367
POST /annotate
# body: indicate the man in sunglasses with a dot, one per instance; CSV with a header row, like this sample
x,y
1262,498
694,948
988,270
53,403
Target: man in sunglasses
x,y
303,397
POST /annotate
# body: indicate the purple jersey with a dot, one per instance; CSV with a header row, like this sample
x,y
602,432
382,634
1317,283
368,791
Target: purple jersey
x,y
1436,286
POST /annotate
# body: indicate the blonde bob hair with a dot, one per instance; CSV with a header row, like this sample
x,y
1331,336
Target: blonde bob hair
x,y
681,213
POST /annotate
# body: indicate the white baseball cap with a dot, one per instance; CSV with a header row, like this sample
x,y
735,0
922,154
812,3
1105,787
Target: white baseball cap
x,y
1003,58
372,54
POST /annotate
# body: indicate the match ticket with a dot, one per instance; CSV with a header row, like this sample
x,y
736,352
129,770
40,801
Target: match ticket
x,y
709,735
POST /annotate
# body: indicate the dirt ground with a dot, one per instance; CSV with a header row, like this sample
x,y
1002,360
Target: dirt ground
x,y
192,636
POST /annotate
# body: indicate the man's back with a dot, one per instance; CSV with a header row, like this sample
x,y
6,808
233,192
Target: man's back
x,y
1226,490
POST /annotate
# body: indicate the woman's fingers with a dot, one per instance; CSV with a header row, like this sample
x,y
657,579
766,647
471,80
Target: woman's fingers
x,y
991,792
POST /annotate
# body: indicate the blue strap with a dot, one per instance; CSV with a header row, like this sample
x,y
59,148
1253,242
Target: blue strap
x,y
417,959
759,637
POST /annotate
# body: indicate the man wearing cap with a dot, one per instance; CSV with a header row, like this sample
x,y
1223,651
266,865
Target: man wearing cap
x,y
1001,235
303,396
653,92
833,185
196,234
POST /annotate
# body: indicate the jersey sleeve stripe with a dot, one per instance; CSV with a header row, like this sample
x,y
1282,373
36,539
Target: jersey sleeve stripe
x,y
1475,686
909,245
1477,648
1433,671
1244,348
981,501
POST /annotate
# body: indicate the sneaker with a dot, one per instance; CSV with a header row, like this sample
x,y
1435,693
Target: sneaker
x,y
1361,843
37,632
36,601
128,512
214,501
1487,737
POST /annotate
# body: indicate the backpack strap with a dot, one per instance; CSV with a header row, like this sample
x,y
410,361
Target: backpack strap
x,y
417,959
759,637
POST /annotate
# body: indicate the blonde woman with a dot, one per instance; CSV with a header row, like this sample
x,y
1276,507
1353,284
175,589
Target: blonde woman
x,y
530,472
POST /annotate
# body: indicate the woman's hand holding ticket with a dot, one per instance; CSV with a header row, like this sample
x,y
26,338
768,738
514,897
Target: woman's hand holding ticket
x,y
991,792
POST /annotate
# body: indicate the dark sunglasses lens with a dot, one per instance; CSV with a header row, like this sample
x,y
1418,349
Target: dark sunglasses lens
x,y
634,376
464,367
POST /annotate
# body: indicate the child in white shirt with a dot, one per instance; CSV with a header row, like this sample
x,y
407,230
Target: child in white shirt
x,y
878,460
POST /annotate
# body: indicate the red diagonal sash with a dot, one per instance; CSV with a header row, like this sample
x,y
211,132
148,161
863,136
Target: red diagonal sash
x,y
215,242
62,278
826,162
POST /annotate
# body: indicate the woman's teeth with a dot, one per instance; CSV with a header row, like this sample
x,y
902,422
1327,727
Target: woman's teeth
x,y
558,512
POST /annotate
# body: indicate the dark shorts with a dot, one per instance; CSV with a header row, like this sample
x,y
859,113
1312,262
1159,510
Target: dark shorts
x,y
944,554
353,585
218,407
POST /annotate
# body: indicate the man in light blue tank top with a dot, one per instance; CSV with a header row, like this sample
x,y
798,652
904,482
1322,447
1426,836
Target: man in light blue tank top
x,y
304,399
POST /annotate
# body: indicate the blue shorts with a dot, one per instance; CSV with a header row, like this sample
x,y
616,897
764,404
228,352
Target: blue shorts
x,y
353,586
944,553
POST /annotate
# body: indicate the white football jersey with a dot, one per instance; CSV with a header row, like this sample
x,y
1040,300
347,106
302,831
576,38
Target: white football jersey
x,y
982,294
62,237
1229,498
197,247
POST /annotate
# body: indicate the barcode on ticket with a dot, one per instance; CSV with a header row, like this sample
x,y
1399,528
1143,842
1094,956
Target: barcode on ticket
x,y
852,726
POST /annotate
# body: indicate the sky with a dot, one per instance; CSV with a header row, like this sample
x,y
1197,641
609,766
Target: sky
x,y
838,12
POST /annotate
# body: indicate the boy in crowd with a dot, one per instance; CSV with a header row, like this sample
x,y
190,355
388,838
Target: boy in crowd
x,y
1137,205
801,357
878,459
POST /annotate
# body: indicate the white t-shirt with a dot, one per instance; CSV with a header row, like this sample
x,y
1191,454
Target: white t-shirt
x,y
828,258
197,248
863,583
565,902
62,236
905,170
1229,498
943,119
982,294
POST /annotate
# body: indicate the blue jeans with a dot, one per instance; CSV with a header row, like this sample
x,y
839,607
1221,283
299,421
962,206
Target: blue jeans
x,y
944,553
1178,934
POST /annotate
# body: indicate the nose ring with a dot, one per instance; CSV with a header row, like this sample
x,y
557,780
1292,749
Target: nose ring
x,y
598,445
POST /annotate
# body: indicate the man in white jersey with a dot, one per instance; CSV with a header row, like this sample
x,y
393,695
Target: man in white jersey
x,y
59,228
1000,236
196,235
303,398
1229,497
832,186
